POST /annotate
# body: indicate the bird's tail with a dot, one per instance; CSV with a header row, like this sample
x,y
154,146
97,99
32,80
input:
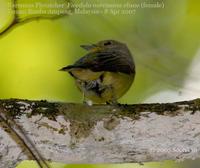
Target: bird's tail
x,y
67,68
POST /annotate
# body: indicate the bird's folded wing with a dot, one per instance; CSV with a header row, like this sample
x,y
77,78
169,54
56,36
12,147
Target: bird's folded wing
x,y
105,61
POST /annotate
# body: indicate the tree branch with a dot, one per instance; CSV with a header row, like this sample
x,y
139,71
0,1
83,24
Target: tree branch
x,y
77,133
16,20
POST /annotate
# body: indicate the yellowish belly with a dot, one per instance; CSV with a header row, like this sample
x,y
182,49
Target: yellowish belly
x,y
116,85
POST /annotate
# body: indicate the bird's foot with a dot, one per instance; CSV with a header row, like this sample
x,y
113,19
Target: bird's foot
x,y
117,104
113,102
88,102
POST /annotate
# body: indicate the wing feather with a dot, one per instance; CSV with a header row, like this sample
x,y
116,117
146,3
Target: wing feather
x,y
106,61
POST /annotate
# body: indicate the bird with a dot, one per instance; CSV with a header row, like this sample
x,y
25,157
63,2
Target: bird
x,y
105,73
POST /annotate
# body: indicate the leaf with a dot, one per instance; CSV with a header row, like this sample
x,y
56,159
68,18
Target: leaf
x,y
21,11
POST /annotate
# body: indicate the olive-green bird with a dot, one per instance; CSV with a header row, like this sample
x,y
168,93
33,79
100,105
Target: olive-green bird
x,y
105,73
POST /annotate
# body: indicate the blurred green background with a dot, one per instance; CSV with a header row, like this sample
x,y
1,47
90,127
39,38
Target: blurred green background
x,y
164,42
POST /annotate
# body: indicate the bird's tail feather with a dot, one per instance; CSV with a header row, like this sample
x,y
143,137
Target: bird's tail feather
x,y
67,68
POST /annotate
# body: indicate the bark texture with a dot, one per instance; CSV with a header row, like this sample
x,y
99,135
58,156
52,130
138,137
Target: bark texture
x,y
78,133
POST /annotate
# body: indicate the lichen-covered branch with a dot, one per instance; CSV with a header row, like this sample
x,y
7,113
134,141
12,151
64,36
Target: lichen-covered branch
x,y
78,133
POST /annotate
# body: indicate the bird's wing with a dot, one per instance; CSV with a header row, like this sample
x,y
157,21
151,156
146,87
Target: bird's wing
x,y
105,61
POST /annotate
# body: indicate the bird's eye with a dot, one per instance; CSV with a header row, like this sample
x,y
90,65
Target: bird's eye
x,y
107,43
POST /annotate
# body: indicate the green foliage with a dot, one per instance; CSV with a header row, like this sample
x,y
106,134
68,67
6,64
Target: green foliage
x,y
166,164
22,11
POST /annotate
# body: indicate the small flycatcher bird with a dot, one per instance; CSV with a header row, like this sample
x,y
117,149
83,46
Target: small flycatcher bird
x,y
105,73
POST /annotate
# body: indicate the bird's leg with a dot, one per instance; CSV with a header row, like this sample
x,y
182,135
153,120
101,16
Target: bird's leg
x,y
83,97
85,101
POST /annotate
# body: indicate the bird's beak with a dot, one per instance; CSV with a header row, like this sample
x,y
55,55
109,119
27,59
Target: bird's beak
x,y
89,47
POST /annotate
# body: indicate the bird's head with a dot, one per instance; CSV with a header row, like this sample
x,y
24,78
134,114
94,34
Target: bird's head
x,y
104,45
